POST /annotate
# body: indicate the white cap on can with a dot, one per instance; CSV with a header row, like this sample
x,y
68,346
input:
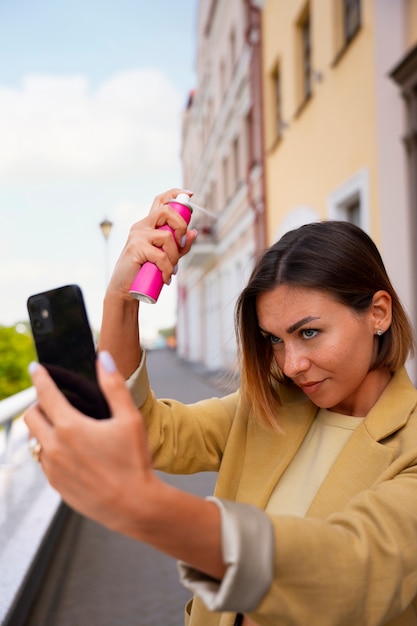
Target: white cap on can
x,y
183,197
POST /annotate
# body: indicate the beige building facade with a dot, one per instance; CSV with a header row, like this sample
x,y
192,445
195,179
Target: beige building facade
x,y
334,122
303,110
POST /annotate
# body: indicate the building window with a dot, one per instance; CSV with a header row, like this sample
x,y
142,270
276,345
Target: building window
x,y
347,23
306,55
350,201
225,175
352,210
352,18
249,147
236,162
210,115
222,75
232,43
303,52
277,106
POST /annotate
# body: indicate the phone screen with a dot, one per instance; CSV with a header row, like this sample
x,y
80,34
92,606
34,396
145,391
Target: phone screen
x,y
65,346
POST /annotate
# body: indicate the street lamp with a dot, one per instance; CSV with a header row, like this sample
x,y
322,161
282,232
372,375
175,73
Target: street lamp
x,y
106,226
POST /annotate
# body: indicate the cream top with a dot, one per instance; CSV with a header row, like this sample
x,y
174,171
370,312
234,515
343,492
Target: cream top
x,y
300,482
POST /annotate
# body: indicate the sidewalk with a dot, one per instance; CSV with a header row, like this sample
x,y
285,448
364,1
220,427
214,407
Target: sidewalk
x,y
100,578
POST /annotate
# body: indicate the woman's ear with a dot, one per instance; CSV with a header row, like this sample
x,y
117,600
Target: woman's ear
x,y
381,310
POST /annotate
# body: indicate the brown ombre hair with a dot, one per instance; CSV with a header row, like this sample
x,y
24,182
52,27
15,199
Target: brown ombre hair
x,y
332,256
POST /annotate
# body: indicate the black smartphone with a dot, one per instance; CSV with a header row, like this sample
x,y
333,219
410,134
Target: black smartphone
x,y
65,346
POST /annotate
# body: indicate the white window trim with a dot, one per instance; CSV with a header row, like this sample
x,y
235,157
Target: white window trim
x,y
357,185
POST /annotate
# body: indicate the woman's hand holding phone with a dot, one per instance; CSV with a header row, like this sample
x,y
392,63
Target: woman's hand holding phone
x,y
103,469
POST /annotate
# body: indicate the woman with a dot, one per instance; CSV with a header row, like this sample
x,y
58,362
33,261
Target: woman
x,y
314,519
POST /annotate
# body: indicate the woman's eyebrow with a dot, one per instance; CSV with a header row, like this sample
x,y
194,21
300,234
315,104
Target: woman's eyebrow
x,y
297,325
293,327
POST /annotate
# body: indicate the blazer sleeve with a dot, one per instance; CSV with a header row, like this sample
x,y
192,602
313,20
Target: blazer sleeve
x,y
184,438
358,566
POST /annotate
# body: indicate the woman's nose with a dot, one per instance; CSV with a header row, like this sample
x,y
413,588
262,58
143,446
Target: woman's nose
x,y
294,362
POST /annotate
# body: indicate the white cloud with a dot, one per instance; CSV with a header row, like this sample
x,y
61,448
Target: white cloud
x,y
126,211
71,155
59,128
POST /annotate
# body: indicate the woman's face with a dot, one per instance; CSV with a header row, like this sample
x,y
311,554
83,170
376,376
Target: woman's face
x,y
325,347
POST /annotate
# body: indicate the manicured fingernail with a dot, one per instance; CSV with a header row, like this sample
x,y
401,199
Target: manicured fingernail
x,y
183,241
107,362
175,270
33,366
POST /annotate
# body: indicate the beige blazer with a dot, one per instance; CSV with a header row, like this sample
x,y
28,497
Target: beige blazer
x,y
352,560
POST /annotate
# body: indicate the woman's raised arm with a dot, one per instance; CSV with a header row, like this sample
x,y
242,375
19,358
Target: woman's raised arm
x,y
119,333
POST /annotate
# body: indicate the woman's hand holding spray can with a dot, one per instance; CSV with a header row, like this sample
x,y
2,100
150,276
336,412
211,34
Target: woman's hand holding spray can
x,y
149,282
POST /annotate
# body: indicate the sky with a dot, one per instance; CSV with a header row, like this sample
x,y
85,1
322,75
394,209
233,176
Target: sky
x,y
91,100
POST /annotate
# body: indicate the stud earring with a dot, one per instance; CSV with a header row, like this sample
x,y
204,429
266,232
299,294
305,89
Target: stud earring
x,y
379,332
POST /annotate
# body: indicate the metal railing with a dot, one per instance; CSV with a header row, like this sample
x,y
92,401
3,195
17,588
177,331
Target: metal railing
x,y
10,408
31,514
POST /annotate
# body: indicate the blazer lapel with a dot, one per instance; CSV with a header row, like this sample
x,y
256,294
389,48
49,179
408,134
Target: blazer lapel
x,y
366,456
362,460
268,454
359,464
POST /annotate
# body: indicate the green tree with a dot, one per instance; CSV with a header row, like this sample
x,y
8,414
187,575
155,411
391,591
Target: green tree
x,y
16,352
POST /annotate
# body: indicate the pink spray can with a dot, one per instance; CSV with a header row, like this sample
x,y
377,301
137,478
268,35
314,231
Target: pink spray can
x,y
149,282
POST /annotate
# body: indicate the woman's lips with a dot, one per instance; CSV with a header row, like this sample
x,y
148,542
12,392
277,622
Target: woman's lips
x,y
310,388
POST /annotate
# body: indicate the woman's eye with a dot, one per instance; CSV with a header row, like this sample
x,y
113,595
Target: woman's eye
x,y
274,340
309,333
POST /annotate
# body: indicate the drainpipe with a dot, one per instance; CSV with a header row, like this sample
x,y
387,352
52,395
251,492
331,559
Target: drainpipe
x,y
256,141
